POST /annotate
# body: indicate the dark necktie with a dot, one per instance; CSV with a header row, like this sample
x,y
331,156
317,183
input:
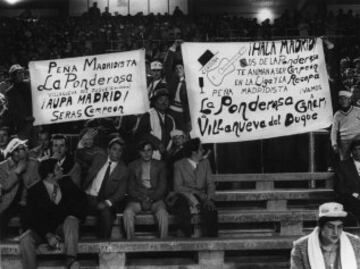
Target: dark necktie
x,y
105,179
54,193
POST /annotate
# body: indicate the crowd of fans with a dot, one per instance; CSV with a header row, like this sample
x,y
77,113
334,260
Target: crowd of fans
x,y
133,163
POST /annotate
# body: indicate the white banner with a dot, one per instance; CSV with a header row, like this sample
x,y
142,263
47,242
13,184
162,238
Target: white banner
x,y
89,87
255,90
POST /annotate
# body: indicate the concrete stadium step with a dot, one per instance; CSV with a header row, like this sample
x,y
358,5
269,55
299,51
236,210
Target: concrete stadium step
x,y
204,253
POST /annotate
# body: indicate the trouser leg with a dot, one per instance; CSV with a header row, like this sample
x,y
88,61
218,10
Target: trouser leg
x,y
105,219
209,222
130,211
162,217
70,229
183,215
29,241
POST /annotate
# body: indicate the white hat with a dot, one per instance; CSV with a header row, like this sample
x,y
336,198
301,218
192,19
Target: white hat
x,y
332,210
15,67
14,144
156,65
345,93
176,132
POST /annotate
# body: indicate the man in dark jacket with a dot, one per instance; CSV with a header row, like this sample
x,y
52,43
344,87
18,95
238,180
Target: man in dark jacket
x,y
54,206
105,186
348,180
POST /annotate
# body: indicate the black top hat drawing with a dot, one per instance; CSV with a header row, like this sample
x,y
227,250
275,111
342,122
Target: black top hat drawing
x,y
205,57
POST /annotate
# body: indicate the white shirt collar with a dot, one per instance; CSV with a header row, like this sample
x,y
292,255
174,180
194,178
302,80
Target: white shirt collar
x,y
357,166
193,163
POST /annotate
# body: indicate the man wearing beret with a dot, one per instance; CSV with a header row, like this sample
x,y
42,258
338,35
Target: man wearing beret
x,y
327,246
106,184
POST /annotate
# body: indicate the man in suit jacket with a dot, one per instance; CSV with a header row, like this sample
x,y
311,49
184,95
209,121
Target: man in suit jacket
x,y
195,186
347,185
54,207
328,246
60,151
106,185
147,189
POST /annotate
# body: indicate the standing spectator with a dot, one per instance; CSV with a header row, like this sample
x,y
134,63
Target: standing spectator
x,y
56,206
327,246
20,117
106,186
346,126
147,189
94,11
157,124
17,174
4,140
157,81
196,190
175,79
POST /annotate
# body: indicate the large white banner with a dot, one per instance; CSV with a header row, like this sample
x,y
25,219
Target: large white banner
x,y
254,90
89,87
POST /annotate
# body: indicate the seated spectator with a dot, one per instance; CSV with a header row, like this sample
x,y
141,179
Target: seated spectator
x,y
4,140
42,149
86,151
346,126
106,185
60,151
157,124
196,190
347,186
56,205
327,246
147,189
175,150
174,153
17,174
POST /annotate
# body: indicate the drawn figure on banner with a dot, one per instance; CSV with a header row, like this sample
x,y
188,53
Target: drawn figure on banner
x,y
217,74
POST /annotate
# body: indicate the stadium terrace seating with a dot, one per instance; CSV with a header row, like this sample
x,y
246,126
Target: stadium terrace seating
x,y
257,212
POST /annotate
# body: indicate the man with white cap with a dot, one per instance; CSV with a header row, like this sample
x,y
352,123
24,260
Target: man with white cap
x,y
327,246
156,68
17,174
346,125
